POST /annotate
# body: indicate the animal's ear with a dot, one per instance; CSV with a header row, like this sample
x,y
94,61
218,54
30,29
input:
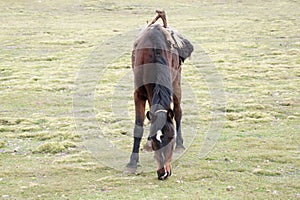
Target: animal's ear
x,y
170,114
149,115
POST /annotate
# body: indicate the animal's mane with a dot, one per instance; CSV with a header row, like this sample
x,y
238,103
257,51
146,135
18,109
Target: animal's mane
x,y
162,96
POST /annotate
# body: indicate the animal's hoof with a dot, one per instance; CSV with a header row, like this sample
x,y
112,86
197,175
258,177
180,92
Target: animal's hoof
x,y
130,170
131,167
148,146
162,174
179,149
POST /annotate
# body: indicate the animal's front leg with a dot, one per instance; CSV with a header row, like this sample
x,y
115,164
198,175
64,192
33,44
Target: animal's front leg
x,y
148,146
178,115
138,133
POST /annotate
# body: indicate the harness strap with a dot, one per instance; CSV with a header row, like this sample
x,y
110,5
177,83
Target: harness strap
x,y
165,111
172,34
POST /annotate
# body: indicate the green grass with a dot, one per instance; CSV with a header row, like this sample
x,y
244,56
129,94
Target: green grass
x,y
43,46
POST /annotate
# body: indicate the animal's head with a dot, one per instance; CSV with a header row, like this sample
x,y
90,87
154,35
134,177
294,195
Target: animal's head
x,y
162,129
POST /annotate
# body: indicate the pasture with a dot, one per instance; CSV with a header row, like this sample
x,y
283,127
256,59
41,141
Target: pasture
x,y
65,75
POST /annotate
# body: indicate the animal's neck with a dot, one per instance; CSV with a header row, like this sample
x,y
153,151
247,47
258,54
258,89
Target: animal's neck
x,y
162,98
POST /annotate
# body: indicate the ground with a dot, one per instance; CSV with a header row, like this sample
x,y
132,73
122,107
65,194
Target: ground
x,y
65,70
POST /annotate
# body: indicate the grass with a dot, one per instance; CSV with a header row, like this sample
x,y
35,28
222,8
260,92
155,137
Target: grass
x,y
46,45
